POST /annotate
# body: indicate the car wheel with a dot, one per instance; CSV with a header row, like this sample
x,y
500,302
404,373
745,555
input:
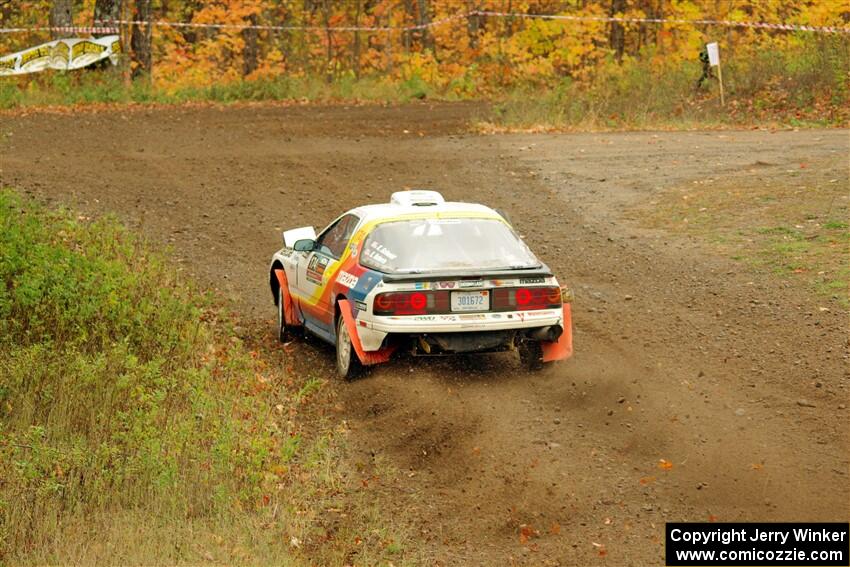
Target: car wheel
x,y
347,364
531,355
283,332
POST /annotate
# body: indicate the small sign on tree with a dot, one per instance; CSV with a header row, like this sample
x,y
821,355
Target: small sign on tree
x,y
714,60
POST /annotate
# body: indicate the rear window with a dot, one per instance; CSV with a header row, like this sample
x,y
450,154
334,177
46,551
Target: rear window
x,y
432,245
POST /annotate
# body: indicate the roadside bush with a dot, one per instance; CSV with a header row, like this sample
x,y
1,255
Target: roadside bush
x,y
117,392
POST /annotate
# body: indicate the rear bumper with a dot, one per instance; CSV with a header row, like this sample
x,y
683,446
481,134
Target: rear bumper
x,y
465,322
374,331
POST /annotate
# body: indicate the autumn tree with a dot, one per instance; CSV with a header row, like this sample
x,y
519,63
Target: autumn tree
x,y
141,38
617,37
106,11
250,53
61,15
446,43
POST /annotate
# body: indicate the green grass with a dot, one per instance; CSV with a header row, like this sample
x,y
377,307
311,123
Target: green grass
x,y
109,87
136,428
792,227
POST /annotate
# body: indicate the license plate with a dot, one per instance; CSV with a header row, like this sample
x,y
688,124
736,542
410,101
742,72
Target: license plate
x,y
470,300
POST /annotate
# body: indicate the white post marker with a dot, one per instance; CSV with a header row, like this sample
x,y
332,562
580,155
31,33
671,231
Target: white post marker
x,y
714,61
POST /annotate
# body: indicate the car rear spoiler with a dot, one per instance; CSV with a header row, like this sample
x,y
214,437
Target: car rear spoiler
x,y
539,272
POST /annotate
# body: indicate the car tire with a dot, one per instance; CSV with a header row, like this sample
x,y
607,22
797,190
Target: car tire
x,y
531,355
348,366
284,334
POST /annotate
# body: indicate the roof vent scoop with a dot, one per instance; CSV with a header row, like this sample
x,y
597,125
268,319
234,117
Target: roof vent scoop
x,y
416,198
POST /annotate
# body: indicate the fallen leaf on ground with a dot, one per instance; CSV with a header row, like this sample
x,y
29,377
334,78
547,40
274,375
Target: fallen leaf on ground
x,y
526,532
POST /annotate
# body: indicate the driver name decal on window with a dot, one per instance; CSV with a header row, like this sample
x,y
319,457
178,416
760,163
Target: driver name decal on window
x,y
435,245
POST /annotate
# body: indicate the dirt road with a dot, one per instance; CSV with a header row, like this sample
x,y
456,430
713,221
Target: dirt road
x,y
699,389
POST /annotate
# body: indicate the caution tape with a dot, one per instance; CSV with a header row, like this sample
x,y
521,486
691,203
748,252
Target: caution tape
x,y
673,21
109,27
99,30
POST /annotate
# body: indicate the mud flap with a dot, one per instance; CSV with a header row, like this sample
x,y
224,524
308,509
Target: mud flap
x,y
288,307
563,347
366,358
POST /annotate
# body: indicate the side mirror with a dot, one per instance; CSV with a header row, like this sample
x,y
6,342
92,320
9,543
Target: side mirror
x,y
305,245
290,237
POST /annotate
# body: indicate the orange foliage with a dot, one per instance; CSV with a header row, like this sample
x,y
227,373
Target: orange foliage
x,y
463,55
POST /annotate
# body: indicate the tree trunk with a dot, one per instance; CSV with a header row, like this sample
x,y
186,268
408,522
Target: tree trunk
x,y
141,39
326,15
355,48
617,37
250,53
408,34
426,37
105,12
473,24
61,15
390,40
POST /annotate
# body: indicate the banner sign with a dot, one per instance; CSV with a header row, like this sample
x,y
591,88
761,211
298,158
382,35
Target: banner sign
x,y
61,54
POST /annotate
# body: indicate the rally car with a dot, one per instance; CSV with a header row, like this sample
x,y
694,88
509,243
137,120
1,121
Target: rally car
x,y
423,276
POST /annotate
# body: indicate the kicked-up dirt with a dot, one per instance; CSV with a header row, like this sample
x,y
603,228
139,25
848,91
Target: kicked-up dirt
x,y
701,388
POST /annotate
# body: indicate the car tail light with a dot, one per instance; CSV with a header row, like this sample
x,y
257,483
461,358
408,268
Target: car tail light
x,y
526,298
411,303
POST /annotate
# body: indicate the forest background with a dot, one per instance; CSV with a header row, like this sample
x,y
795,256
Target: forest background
x,y
596,64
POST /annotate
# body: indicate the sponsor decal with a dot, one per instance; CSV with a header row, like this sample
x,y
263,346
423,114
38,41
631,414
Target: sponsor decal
x,y
61,54
524,281
425,318
353,248
360,306
443,285
448,318
36,53
420,285
476,317
471,283
84,47
316,268
347,279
